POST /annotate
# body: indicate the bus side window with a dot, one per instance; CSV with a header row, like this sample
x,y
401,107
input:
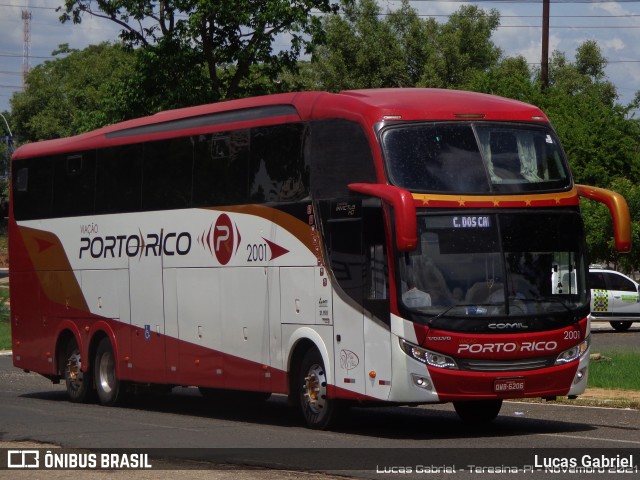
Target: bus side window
x,y
346,255
74,180
220,169
33,188
21,180
119,179
376,268
276,171
167,172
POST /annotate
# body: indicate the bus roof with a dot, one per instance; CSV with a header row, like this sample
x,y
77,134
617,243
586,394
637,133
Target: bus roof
x,y
366,106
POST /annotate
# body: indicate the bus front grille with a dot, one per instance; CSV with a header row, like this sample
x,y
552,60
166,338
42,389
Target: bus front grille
x,y
505,365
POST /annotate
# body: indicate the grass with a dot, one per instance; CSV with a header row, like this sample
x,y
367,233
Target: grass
x,y
5,327
5,333
615,369
5,322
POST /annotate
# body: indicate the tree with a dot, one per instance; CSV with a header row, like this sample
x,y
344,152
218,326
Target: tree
x,y
599,229
71,94
510,77
352,56
599,138
465,44
6,149
226,39
364,49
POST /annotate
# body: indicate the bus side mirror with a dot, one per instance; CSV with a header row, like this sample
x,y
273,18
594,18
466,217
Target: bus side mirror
x,y
619,211
404,208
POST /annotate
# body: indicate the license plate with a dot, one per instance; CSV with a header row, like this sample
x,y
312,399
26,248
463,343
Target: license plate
x,y
506,385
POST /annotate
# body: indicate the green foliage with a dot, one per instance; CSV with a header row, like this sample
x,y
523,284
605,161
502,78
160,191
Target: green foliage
x,y
509,77
164,76
599,228
5,319
366,50
196,51
71,94
5,330
225,40
6,149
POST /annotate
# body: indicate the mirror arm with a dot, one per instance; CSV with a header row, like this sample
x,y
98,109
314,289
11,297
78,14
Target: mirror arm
x,y
404,211
619,211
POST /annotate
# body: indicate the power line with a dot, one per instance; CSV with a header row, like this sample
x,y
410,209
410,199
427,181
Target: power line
x,y
522,1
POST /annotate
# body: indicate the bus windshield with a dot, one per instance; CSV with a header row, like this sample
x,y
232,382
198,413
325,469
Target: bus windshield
x,y
495,265
474,158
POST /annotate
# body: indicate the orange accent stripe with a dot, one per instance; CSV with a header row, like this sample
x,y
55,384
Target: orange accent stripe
x,y
569,198
302,231
53,268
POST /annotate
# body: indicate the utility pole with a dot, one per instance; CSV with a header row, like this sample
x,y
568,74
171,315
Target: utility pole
x,y
26,45
544,63
9,139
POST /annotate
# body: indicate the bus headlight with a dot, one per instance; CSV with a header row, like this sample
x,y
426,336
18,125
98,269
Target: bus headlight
x,y
573,353
432,359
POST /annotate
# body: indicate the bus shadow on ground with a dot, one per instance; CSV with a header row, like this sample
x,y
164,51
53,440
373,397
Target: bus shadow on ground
x,y
398,422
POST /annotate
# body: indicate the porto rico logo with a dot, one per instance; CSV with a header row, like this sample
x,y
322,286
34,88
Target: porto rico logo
x,y
222,239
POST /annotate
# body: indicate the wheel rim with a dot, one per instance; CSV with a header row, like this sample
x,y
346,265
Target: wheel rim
x,y
73,371
315,389
106,375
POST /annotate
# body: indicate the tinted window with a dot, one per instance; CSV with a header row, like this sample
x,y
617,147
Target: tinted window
x,y
439,158
277,171
618,282
32,188
119,179
74,179
596,281
167,171
263,164
221,169
340,154
474,157
522,157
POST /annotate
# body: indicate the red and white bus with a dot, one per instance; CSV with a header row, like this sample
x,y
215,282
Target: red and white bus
x,y
398,246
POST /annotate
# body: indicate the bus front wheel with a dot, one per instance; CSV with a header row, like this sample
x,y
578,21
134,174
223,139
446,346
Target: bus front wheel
x,y
318,409
476,412
79,384
110,390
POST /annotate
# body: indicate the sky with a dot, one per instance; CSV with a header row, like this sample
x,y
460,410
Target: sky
x,y
615,25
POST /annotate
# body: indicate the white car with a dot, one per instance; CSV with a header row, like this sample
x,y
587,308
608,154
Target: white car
x,y
614,298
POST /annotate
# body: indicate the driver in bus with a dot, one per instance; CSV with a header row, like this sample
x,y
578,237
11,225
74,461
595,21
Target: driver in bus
x,y
412,296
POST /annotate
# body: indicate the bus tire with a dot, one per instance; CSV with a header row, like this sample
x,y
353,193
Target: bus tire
x,y
319,411
477,412
79,384
621,326
110,390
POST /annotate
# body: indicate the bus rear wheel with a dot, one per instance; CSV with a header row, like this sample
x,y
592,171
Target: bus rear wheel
x,y
477,412
79,384
110,390
318,410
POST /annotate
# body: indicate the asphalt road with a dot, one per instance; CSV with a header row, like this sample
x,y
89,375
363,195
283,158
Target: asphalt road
x,y
184,424
605,337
